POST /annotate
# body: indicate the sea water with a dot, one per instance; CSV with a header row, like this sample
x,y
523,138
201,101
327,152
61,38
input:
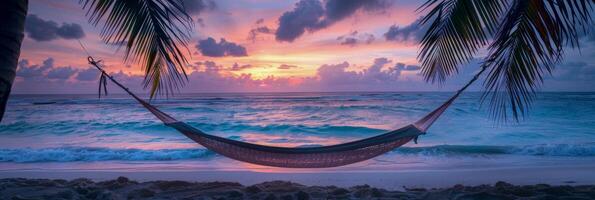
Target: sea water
x,y
82,132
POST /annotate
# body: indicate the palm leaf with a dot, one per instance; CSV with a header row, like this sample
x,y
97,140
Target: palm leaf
x,y
457,29
527,46
155,34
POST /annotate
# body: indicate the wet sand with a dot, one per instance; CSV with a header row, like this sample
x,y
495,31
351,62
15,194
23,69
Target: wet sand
x,y
385,179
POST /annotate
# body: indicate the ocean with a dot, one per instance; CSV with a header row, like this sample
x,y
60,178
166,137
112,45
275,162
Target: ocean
x,y
82,132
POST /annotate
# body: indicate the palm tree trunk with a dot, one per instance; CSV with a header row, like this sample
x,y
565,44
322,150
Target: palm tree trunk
x,y
12,20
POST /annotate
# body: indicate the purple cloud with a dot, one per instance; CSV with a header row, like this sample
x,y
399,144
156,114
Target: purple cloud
x,y
46,30
340,9
209,76
70,31
89,74
31,71
402,66
48,71
355,37
61,73
310,15
253,34
210,47
237,67
305,16
338,75
410,33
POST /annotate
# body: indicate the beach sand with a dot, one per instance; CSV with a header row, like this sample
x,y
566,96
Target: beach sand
x,y
124,188
489,183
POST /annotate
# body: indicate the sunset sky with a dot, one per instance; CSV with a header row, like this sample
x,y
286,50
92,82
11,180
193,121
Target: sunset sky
x,y
264,46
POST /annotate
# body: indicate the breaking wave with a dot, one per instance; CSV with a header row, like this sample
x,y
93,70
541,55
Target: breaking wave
x,y
89,154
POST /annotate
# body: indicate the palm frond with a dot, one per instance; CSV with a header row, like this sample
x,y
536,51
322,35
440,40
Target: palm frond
x,y
527,46
458,28
155,34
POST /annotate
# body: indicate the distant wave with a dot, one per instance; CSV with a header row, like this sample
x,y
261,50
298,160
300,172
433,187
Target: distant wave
x,y
57,127
90,154
578,150
74,154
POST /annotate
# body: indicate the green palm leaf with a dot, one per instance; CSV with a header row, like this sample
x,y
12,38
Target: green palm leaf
x,y
155,34
529,37
457,29
528,45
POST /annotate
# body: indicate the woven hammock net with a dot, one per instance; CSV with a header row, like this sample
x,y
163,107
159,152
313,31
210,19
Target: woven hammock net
x,y
300,157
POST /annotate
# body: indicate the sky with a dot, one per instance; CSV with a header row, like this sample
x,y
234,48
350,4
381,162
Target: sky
x,y
264,46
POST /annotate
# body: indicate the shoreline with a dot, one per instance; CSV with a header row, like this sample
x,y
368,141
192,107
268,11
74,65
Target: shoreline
x,y
390,180
122,187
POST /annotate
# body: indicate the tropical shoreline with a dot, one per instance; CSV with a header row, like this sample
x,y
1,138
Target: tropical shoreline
x,y
125,188
389,180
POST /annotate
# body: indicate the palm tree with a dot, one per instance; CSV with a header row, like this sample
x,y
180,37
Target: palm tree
x,y
12,18
155,34
524,40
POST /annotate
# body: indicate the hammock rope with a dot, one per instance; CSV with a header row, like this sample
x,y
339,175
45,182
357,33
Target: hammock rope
x,y
299,157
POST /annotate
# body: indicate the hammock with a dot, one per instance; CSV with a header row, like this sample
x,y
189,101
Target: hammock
x,y
299,157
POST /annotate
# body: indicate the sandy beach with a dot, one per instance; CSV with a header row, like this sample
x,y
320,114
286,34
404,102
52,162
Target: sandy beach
x,y
391,180
479,184
124,188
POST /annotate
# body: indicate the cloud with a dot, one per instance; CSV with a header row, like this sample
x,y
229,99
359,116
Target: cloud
x,y
286,66
237,67
253,34
340,9
402,66
32,71
355,37
71,31
209,76
305,16
89,74
61,73
47,30
310,15
410,33
48,71
210,47
382,75
195,7
349,41
338,76
207,66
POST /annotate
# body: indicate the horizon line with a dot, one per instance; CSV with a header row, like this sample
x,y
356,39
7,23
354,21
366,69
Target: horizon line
x,y
277,92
